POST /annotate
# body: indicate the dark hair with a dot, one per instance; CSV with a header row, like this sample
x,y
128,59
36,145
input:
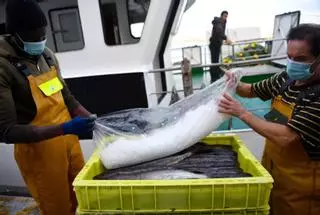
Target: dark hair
x,y
309,33
224,12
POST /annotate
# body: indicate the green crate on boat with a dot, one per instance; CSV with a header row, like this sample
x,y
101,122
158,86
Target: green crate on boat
x,y
179,196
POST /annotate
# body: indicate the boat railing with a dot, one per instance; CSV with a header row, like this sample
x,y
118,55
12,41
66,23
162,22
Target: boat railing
x,y
237,63
227,50
244,42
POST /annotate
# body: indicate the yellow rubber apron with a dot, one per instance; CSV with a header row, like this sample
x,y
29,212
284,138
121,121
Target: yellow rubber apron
x,y
49,167
296,178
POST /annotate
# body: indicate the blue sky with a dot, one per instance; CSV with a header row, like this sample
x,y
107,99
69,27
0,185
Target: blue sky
x,y
196,22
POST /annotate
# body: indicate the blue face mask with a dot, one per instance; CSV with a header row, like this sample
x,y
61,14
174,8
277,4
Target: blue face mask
x,y
298,71
34,48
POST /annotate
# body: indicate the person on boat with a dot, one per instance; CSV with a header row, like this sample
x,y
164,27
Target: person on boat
x,y
217,37
292,127
38,114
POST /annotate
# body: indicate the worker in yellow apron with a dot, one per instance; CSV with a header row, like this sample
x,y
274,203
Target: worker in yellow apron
x,y
291,168
38,113
292,127
50,166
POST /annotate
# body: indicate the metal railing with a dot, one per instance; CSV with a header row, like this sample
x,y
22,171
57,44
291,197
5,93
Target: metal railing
x,y
177,53
239,63
240,43
257,41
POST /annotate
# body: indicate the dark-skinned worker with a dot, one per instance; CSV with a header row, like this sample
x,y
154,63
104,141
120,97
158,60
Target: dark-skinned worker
x,y
292,127
38,114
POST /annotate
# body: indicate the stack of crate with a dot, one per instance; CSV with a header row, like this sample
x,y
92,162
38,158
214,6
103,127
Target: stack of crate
x,y
247,196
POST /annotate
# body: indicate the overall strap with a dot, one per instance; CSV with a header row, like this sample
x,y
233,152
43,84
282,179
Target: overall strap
x,y
20,66
48,58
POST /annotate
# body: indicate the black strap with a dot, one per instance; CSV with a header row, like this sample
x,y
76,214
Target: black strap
x,y
19,65
48,58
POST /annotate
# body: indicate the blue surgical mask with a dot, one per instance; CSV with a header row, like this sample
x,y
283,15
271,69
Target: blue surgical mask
x,y
298,71
34,48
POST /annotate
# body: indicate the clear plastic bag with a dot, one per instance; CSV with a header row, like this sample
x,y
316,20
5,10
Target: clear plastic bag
x,y
135,136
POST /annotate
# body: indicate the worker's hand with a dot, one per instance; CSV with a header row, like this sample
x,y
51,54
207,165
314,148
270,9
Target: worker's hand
x,y
228,42
233,77
231,106
232,81
79,125
230,75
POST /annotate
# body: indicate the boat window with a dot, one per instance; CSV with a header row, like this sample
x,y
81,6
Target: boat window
x,y
66,29
123,20
137,12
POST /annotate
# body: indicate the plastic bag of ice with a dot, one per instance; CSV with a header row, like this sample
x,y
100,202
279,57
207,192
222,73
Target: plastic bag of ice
x,y
134,136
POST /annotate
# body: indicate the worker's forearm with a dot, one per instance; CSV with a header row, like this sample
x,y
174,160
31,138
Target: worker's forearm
x,y
245,90
31,134
279,134
80,111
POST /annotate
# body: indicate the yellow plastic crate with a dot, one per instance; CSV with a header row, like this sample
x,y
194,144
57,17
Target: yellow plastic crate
x,y
167,196
235,212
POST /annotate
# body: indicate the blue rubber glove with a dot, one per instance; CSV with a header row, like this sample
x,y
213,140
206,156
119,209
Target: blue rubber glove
x,y
79,125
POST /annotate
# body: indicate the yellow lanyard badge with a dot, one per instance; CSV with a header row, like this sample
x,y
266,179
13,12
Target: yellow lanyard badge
x,y
51,87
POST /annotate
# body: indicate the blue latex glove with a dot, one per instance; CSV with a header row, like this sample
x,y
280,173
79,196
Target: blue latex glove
x,y
79,125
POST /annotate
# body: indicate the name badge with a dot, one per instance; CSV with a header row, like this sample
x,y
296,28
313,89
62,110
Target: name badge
x,y
51,87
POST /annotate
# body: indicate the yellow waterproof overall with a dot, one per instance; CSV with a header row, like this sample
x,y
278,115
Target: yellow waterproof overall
x,y
296,178
49,167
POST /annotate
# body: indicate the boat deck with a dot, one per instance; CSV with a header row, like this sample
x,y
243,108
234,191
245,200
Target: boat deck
x,y
18,205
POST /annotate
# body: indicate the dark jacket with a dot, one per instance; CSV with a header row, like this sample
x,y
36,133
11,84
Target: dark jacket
x,y
17,106
218,31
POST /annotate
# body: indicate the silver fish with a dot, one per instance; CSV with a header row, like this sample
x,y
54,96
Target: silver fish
x,y
171,175
160,175
199,161
131,172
